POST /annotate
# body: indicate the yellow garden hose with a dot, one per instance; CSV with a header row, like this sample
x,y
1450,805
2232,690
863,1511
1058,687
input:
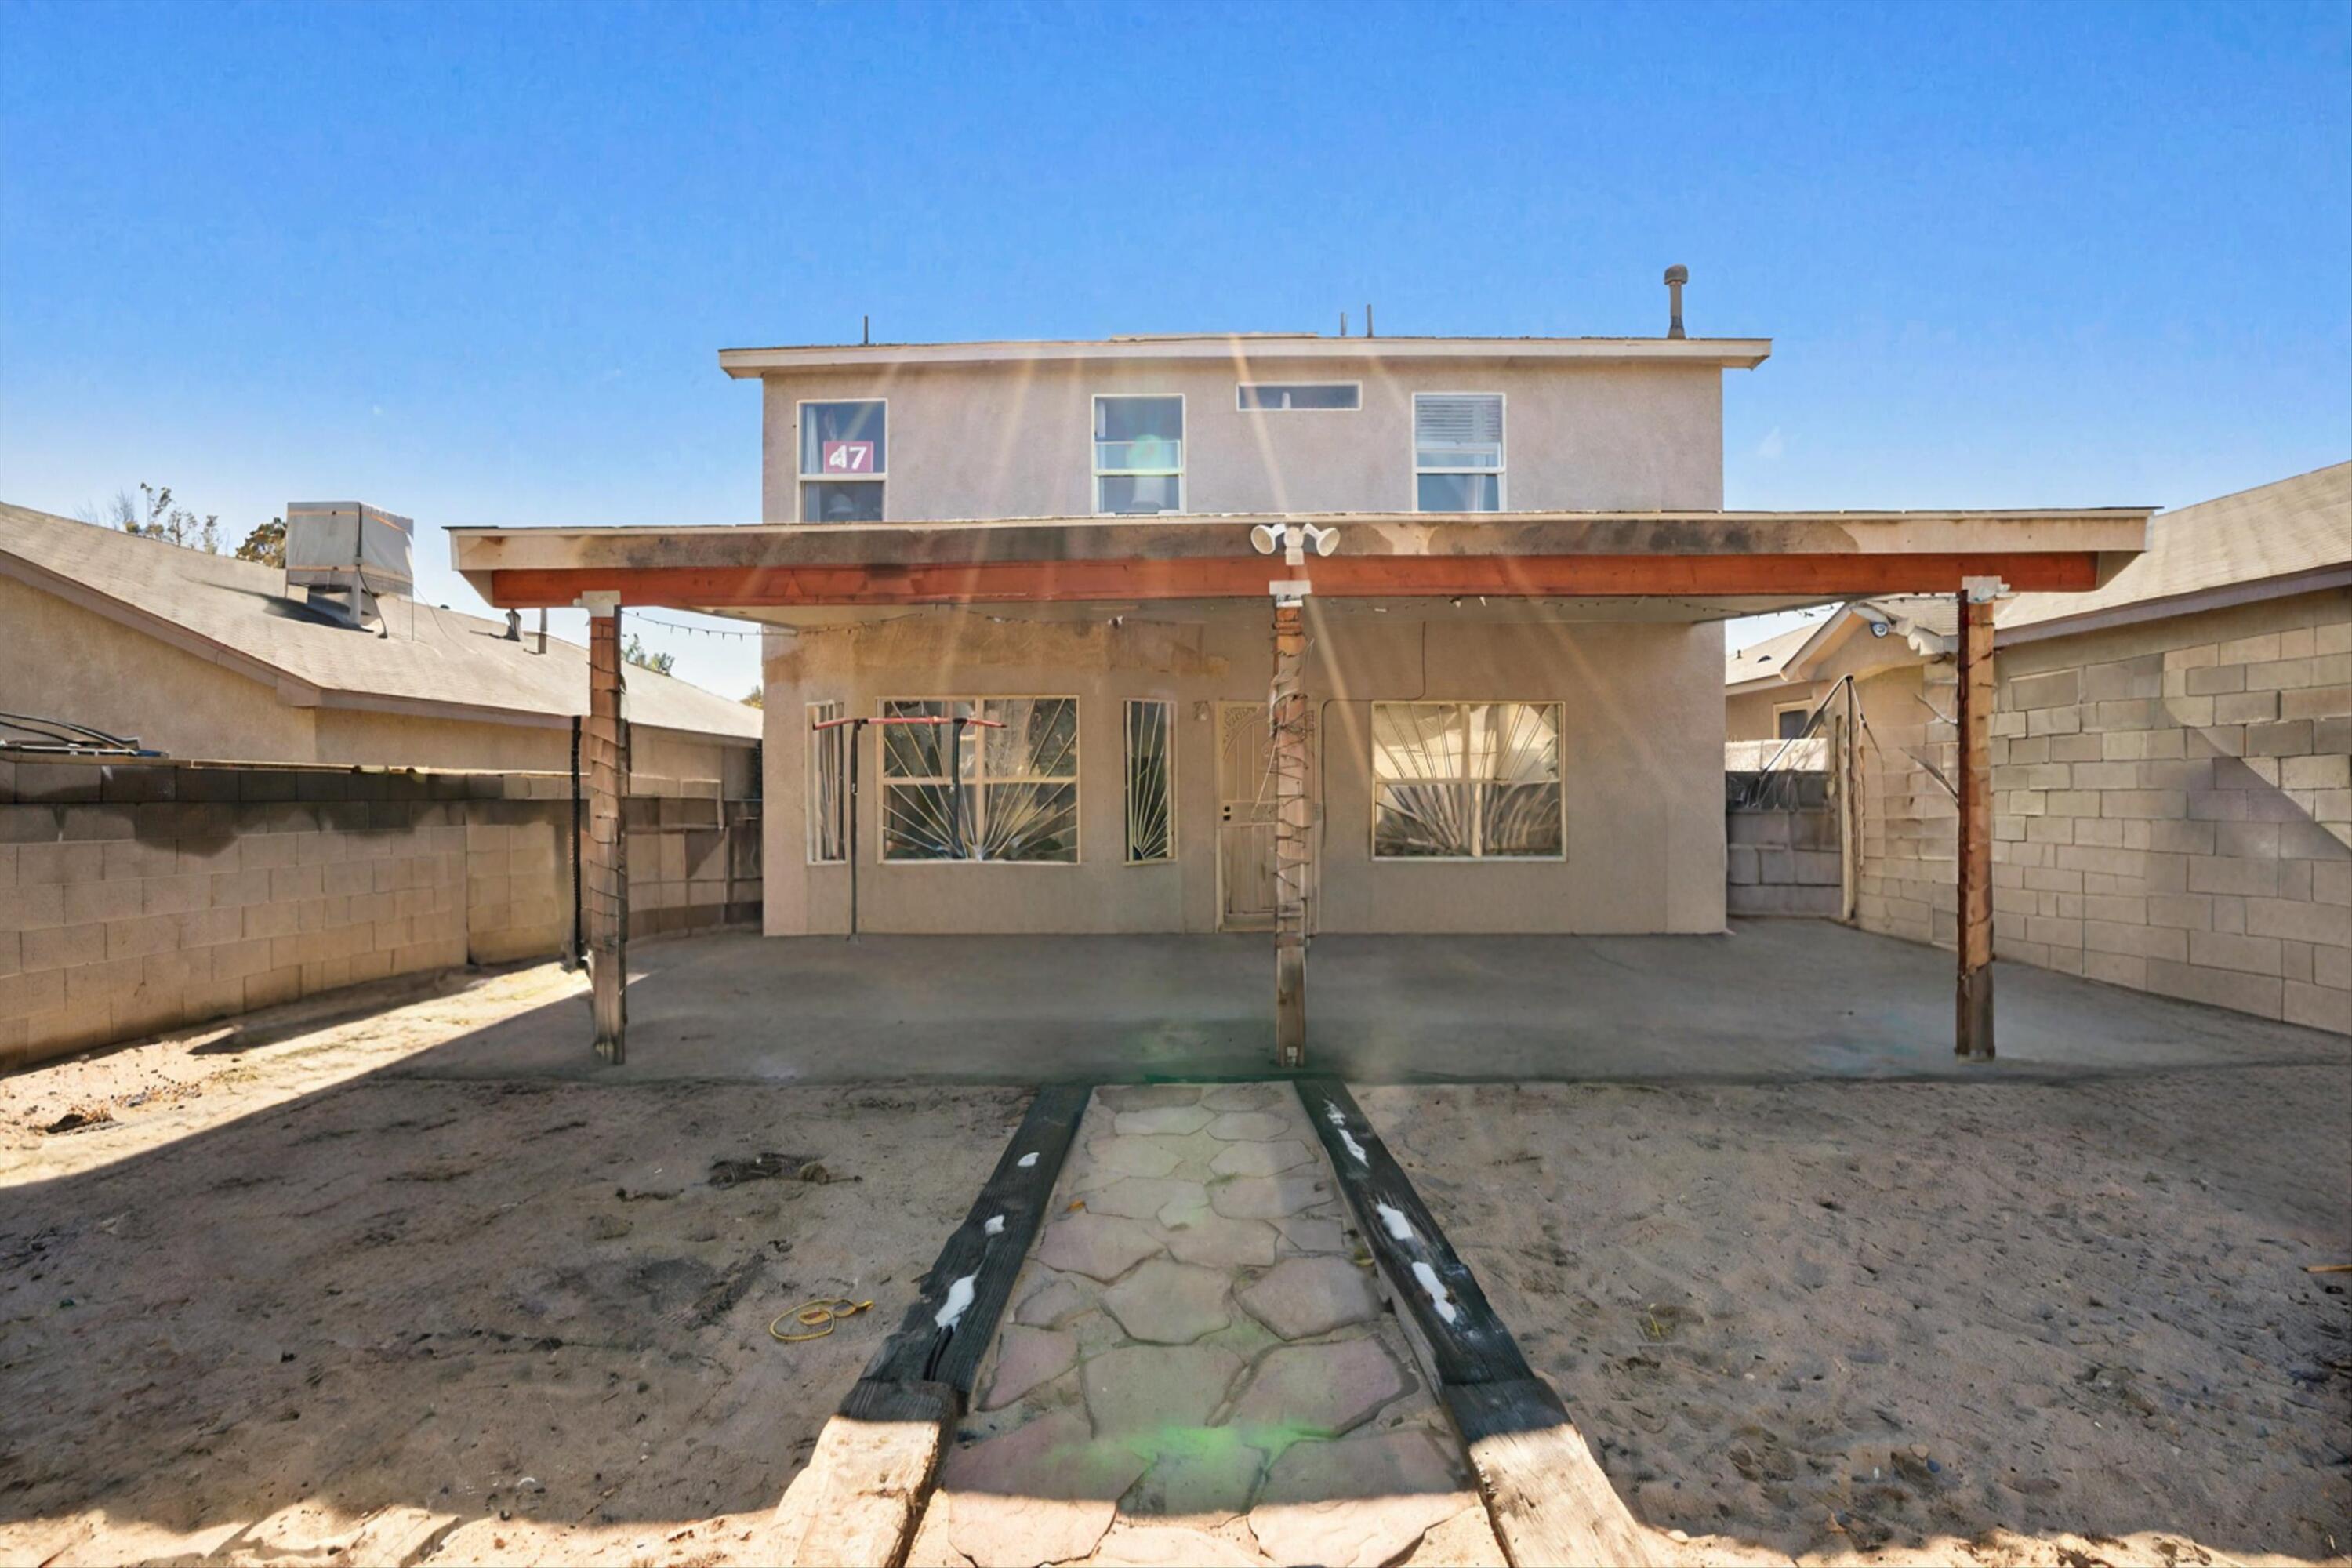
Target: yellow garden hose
x,y
818,1318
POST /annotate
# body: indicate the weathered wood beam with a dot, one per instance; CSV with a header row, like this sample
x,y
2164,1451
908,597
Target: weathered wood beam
x,y
1972,1033
605,738
1244,577
1292,837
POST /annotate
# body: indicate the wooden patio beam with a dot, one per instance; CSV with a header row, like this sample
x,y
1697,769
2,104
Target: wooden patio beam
x,y
1342,576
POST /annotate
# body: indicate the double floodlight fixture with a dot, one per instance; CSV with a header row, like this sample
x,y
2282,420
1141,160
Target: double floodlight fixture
x,y
1293,538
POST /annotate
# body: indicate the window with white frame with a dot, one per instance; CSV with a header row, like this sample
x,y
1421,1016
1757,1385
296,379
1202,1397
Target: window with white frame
x,y
1457,451
845,459
1272,396
966,791
1467,781
1139,455
1151,782
828,786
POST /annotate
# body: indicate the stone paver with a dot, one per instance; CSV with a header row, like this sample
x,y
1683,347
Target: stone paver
x,y
1171,1303
1143,1197
1137,1156
1101,1247
1223,1242
1194,1359
1053,1300
1044,1493
1320,1388
1363,1501
1300,1298
1024,1359
1163,1119
1261,1159
1265,1197
1138,1390
1256,1126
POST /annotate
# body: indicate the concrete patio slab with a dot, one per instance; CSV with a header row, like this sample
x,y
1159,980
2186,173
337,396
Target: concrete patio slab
x,y
1771,1001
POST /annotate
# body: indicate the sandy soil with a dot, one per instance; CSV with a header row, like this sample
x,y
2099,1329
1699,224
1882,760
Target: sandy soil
x,y
275,1307
1917,1323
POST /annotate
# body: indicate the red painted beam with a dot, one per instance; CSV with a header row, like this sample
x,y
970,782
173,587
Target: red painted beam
x,y
1245,577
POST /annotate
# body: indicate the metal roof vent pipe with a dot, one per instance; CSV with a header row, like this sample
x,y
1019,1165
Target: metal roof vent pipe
x,y
1676,276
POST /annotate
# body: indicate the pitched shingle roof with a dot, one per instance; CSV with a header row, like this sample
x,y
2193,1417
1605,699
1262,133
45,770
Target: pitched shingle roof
x,y
1759,659
2285,530
433,656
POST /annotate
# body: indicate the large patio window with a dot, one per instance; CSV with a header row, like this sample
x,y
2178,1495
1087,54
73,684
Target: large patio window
x,y
845,460
1457,451
828,786
1139,455
1150,780
973,793
1467,781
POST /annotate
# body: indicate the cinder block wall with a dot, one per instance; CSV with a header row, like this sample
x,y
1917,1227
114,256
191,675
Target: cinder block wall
x,y
136,896
2173,809
1781,851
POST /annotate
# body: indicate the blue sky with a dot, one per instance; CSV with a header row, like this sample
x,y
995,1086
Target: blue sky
x,y
473,263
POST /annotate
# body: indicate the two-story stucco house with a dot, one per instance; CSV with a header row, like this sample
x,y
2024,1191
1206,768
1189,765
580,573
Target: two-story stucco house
x,y
1259,632
1476,766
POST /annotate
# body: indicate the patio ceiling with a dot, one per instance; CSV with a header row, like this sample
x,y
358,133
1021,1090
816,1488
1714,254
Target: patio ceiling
x,y
1729,562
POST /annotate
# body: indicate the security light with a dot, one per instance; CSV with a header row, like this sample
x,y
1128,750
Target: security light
x,y
1264,539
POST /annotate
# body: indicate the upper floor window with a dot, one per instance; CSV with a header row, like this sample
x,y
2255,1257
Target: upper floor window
x,y
1271,396
1139,455
1457,451
844,458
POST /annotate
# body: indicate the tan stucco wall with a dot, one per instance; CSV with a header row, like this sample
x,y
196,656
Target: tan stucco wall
x,y
1642,769
1016,441
64,662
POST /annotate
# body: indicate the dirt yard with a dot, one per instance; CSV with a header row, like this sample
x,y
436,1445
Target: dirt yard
x,y
1929,1323
272,1306
261,1300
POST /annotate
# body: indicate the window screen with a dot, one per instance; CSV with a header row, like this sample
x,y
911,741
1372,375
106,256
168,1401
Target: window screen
x,y
828,786
1139,455
1457,451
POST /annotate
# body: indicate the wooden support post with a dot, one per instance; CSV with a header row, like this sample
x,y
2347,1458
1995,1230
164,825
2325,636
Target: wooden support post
x,y
1293,843
1848,764
605,740
1972,1034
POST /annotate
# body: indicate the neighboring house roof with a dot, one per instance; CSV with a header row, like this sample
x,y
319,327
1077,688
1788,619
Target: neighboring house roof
x,y
1743,353
435,663
2289,537
1749,668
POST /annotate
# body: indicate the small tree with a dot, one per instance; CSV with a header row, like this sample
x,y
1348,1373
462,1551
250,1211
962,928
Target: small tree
x,y
635,653
266,543
756,699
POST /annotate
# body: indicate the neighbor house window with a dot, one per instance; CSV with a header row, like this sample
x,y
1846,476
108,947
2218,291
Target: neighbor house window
x,y
845,454
1139,455
1467,781
1457,451
1272,396
828,786
969,792
1151,780
1789,723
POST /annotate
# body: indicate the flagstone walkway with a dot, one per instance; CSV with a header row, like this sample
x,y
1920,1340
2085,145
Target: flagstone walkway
x,y
1198,1366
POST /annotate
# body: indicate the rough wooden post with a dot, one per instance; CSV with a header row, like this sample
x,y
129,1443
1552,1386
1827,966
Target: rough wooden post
x,y
1972,1033
605,855
1292,839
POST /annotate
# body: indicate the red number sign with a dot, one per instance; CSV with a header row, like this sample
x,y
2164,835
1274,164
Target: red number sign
x,y
848,456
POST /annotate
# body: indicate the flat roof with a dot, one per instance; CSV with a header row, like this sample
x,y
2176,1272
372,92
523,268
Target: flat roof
x,y
1741,353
